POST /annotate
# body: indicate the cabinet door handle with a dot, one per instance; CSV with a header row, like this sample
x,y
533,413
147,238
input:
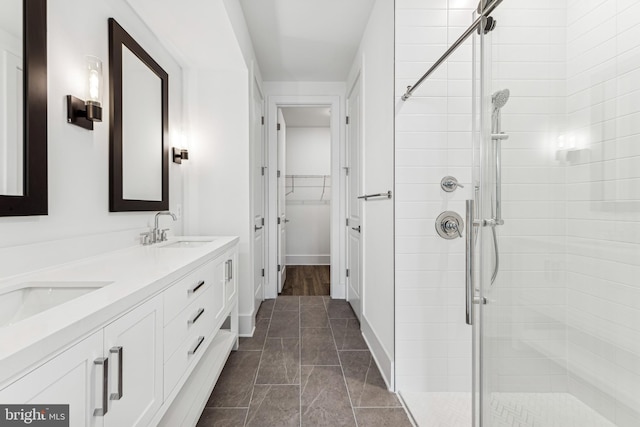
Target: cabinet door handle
x,y
104,362
230,269
193,349
117,395
195,318
196,287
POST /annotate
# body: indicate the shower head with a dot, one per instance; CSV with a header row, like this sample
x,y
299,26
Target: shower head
x,y
500,98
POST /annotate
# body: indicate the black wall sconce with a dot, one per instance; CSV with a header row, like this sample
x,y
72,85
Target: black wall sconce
x,y
84,113
179,155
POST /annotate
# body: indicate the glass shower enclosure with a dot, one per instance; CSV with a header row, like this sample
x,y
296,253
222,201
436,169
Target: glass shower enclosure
x,y
552,235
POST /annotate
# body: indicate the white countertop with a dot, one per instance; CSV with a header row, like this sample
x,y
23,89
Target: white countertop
x,y
135,273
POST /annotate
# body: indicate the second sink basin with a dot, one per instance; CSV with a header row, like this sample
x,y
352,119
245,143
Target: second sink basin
x,y
187,244
35,297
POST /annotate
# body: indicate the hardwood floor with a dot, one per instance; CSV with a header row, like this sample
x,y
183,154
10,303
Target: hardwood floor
x,y
307,280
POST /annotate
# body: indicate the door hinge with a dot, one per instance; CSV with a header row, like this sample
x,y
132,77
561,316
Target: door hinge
x,y
347,222
262,220
347,272
278,221
262,169
278,126
263,272
279,267
278,174
346,170
347,119
262,120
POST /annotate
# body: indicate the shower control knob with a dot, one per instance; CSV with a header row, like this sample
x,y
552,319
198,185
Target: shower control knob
x,y
449,225
450,184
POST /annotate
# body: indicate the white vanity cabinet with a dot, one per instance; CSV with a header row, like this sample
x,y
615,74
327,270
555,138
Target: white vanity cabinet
x,y
154,364
112,378
133,344
70,378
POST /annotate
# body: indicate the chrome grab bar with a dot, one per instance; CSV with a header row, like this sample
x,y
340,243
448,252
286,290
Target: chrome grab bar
x,y
469,260
386,195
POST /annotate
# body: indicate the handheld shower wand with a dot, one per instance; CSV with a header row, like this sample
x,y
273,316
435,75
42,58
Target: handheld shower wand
x,y
498,100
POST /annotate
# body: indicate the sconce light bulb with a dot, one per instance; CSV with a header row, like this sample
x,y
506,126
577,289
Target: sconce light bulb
x,y
94,86
94,77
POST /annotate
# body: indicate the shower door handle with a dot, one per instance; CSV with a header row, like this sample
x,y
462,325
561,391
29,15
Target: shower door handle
x,y
469,260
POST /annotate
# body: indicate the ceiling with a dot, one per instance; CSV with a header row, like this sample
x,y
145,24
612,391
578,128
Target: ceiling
x,y
302,117
306,40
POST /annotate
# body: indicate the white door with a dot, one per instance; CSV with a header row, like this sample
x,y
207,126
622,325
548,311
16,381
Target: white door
x,y
354,207
134,346
259,176
282,213
72,378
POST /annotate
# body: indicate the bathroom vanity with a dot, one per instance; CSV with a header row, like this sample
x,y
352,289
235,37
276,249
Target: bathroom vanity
x,y
135,337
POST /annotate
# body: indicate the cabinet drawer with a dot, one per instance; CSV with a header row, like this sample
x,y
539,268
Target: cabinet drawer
x,y
184,325
187,352
186,290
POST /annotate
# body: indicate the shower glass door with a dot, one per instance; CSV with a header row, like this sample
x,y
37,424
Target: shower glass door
x,y
559,161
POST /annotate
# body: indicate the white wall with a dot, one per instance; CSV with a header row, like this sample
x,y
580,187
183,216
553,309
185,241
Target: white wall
x,y
374,63
79,223
308,200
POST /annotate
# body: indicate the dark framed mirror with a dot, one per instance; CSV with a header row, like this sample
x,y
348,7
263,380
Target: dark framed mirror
x,y
23,111
138,125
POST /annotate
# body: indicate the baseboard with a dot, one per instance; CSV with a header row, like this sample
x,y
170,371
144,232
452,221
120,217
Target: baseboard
x,y
246,325
382,359
308,259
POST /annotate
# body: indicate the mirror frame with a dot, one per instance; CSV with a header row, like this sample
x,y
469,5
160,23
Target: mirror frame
x,y
118,37
34,200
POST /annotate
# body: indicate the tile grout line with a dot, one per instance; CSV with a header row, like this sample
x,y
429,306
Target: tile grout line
x,y
253,388
300,359
344,378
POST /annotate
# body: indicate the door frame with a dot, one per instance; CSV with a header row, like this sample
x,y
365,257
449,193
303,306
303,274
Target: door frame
x,y
258,295
337,239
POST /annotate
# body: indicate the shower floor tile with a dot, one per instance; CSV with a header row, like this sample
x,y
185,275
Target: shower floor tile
x,y
507,410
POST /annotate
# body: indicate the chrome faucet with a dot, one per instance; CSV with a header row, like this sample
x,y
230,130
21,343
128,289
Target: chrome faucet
x,y
157,234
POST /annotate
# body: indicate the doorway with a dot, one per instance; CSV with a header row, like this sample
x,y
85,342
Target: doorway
x,y
304,200
304,162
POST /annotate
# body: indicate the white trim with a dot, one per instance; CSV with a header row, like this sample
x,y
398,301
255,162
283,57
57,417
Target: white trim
x,y
337,215
246,324
381,357
309,259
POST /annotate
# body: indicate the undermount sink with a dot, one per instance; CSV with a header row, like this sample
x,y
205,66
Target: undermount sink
x,y
186,244
35,297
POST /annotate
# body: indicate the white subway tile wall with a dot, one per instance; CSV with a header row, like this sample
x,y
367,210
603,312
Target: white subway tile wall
x,y
433,140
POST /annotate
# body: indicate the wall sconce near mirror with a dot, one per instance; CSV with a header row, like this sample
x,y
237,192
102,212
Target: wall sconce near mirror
x,y
180,154
84,113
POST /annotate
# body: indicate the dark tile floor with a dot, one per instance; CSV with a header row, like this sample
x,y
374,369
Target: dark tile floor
x,y
306,365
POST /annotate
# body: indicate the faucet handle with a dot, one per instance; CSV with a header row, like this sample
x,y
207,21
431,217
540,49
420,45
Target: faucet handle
x,y
163,234
145,238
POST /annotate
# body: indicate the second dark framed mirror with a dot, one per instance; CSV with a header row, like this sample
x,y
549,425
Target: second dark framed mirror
x,y
138,125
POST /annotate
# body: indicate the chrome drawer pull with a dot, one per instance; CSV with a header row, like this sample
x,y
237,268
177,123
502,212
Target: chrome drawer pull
x,y
196,317
104,362
196,287
118,394
195,347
